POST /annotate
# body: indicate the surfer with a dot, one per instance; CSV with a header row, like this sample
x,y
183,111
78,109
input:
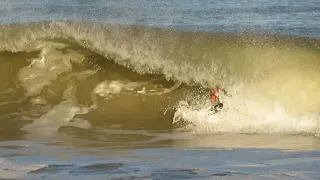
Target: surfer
x,y
216,104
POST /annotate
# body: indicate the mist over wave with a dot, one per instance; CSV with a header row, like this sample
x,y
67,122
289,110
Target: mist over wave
x,y
79,72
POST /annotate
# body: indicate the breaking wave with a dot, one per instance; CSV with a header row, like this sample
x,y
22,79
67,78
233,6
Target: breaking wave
x,y
81,74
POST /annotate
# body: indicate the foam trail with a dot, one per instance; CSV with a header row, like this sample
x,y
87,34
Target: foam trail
x,y
108,88
51,63
60,115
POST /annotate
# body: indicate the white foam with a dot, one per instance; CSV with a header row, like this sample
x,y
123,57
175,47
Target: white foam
x,y
10,170
249,112
158,89
52,62
38,100
60,115
107,88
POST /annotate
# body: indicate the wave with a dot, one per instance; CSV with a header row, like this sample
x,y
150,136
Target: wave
x,y
125,74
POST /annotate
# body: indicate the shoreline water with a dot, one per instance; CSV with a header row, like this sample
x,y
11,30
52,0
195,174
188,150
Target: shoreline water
x,y
41,161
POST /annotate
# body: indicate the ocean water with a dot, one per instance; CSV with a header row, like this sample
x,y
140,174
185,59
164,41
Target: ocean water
x,y
120,89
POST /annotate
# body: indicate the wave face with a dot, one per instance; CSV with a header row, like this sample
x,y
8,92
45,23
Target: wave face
x,y
82,74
